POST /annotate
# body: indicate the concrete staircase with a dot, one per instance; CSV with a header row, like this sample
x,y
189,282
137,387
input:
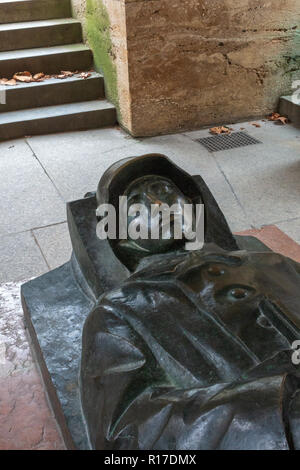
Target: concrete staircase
x,y
41,36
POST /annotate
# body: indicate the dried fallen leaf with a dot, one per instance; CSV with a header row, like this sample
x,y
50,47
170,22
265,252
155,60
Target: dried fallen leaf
x,y
38,76
220,130
273,116
282,120
85,75
26,73
61,76
11,82
255,124
67,73
24,77
278,118
64,74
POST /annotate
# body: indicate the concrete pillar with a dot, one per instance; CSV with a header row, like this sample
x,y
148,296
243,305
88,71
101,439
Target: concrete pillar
x,y
173,65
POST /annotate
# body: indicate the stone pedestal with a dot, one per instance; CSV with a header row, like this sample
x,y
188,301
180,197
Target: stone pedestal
x,y
55,307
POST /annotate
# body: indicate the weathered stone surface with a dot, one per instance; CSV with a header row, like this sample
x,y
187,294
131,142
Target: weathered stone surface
x,y
188,63
26,421
207,61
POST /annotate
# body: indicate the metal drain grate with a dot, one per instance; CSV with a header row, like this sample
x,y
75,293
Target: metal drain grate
x,y
227,141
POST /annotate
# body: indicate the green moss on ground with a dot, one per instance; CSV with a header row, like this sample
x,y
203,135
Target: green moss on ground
x,y
98,35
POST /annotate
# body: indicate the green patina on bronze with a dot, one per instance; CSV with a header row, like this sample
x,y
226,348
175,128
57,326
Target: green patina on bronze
x,y
98,34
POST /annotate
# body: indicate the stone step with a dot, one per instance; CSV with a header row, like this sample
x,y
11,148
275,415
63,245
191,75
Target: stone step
x,y
51,92
61,118
48,60
289,106
12,11
39,34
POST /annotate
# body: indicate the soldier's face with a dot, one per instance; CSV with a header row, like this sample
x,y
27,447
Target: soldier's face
x,y
157,195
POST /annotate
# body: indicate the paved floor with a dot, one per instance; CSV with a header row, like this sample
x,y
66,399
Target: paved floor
x,y
26,421
255,186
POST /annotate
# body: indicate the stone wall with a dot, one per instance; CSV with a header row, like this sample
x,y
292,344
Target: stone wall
x,y
183,64
79,8
104,28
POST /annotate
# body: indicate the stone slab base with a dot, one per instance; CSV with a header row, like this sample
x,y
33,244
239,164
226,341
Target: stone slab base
x,y
55,309
55,329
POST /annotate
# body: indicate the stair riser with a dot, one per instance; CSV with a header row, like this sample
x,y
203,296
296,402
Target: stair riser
x,y
76,122
49,64
40,37
50,95
14,12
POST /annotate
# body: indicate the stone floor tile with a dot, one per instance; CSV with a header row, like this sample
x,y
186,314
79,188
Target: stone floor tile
x,y
291,228
20,257
55,244
28,197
